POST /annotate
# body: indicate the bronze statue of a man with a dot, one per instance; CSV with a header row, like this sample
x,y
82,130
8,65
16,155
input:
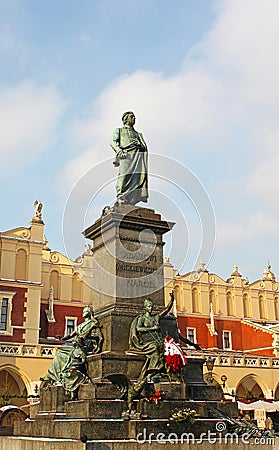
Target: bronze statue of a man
x,y
131,158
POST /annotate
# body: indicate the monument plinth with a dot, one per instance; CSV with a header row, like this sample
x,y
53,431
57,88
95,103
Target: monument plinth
x,y
127,268
128,281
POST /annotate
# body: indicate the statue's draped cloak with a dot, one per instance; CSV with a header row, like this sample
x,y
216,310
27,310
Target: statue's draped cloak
x,y
148,343
68,365
132,182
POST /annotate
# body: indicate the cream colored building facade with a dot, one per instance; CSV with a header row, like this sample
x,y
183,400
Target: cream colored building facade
x,y
234,321
42,293
39,289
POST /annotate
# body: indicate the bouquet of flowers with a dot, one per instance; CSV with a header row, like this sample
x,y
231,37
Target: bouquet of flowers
x,y
184,415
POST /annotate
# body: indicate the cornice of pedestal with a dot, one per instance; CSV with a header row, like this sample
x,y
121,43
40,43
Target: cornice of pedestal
x,y
128,217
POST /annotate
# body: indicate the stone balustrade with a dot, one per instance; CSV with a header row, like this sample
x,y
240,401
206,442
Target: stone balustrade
x,y
236,359
223,359
27,350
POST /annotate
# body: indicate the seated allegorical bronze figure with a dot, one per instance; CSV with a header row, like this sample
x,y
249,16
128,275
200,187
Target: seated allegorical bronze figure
x,y
146,338
68,367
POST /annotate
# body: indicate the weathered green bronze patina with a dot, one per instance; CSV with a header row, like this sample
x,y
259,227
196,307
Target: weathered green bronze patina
x,y
69,364
131,158
146,338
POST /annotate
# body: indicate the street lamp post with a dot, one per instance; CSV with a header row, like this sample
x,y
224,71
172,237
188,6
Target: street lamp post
x,y
224,379
210,364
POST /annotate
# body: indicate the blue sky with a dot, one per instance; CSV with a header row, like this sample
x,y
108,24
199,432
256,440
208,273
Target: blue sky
x,y
202,78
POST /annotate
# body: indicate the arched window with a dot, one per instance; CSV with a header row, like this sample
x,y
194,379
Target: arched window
x,y
21,265
245,305
54,282
276,309
261,307
76,287
195,300
229,304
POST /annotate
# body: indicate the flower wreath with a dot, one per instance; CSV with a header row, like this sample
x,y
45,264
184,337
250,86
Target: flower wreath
x,y
174,356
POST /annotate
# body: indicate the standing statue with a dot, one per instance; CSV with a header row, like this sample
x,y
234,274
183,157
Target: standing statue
x,y
146,338
131,158
69,364
38,207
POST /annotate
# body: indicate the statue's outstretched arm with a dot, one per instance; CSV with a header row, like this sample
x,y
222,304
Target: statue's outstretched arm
x,y
169,307
69,336
188,342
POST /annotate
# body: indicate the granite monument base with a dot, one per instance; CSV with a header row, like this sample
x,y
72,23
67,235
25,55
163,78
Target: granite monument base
x,y
97,414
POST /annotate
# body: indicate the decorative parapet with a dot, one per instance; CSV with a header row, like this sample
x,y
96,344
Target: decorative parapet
x,y
237,359
23,350
224,359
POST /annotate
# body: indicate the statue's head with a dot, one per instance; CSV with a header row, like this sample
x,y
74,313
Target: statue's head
x,y
129,118
87,311
148,304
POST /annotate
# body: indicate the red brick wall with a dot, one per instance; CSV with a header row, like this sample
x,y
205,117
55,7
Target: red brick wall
x,y
244,337
199,323
234,327
256,338
17,316
60,312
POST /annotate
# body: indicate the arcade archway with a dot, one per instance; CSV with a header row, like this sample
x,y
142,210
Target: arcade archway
x,y
12,388
251,388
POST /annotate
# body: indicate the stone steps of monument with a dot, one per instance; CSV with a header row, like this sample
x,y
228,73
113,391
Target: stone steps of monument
x,y
74,428
165,408
98,390
100,418
112,409
114,429
100,409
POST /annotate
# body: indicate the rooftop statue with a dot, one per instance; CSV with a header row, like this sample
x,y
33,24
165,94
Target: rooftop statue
x,y
38,208
69,364
131,158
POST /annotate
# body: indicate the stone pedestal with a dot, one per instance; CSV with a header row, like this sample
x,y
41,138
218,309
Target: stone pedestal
x,y
196,387
127,268
96,415
107,363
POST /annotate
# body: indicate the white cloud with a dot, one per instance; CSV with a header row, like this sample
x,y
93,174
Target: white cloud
x,y
168,109
244,44
262,180
227,89
28,117
236,68
245,229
